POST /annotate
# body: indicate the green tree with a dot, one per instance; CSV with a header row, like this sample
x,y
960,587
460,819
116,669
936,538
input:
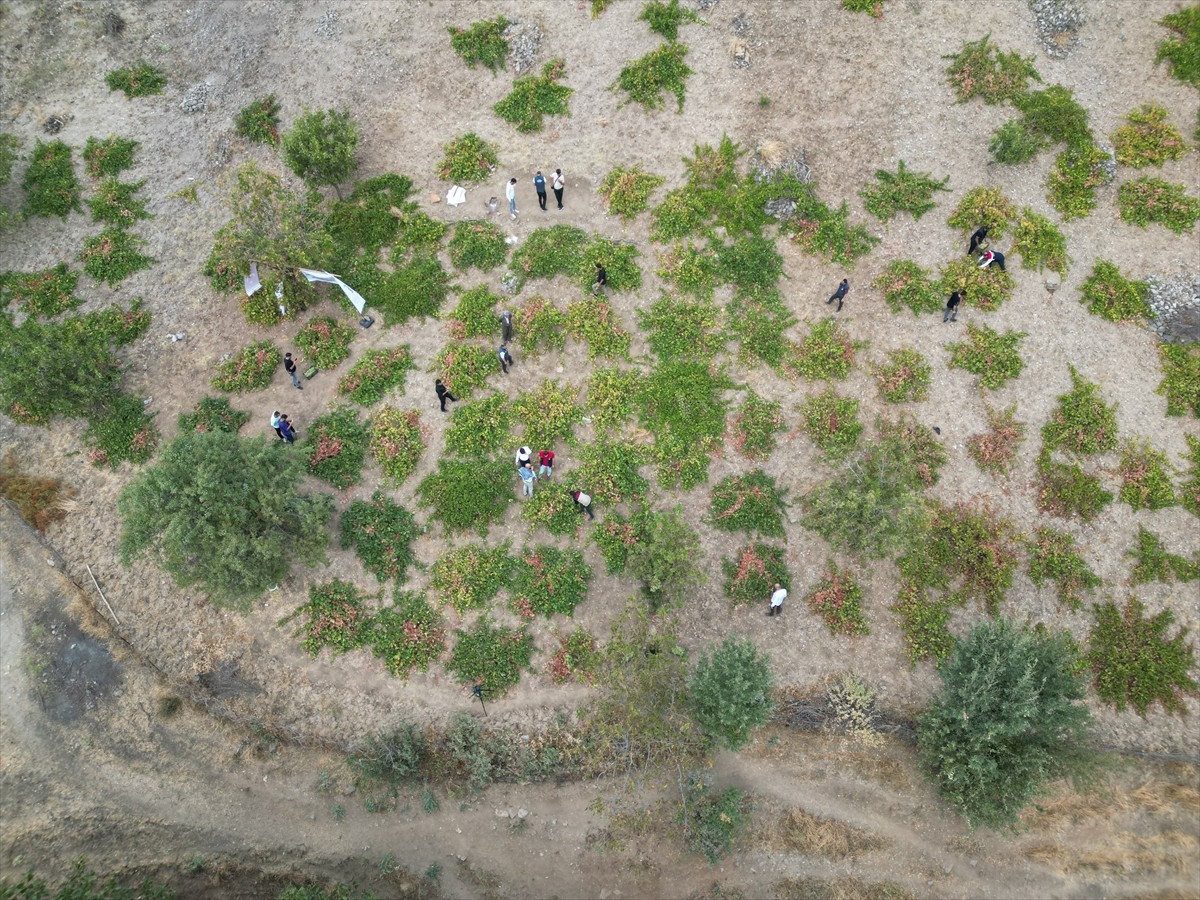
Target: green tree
x,y
664,558
320,147
224,513
55,369
280,231
1008,719
731,692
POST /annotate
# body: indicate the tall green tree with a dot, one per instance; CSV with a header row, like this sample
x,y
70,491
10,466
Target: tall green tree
x,y
224,513
1008,719
320,147
281,232
664,558
731,692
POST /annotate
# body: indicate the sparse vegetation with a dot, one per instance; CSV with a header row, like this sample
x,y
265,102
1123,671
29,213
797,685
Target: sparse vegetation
x,y
980,69
904,283
375,375
754,426
483,42
535,97
1082,423
141,80
1067,491
468,158
1148,139
1052,557
1155,563
337,447
51,187
1015,142
837,599
828,352
46,293
108,157
904,377
627,190
1040,243
1182,49
1147,200
250,369
752,573
259,121
994,357
901,191
751,502
995,450
661,70
477,244
1111,296
1145,477
665,18
381,533
1181,378
832,423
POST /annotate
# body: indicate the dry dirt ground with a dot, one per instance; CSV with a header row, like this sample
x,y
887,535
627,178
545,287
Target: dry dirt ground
x,y
856,94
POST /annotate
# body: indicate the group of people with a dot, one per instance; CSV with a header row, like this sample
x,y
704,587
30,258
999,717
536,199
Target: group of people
x,y
524,461
977,244
284,429
557,184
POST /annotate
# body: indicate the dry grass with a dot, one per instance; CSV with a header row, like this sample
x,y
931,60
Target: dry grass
x,y
797,831
840,889
773,153
1124,854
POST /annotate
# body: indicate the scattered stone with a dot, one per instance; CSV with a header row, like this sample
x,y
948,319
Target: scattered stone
x,y
196,98
739,24
435,198
112,24
502,813
510,284
523,38
178,336
1057,23
773,161
349,791
1175,306
54,124
522,813
327,24
740,51
706,5
1109,166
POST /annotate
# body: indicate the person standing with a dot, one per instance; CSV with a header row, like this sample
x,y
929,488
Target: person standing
x,y
584,502
557,185
546,464
952,307
289,366
977,240
601,279
539,185
286,430
840,294
510,191
992,256
527,478
523,455
506,326
275,417
777,598
443,394
506,359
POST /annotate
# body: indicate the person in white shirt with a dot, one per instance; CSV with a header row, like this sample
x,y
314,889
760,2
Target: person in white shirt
x,y
510,191
777,599
557,184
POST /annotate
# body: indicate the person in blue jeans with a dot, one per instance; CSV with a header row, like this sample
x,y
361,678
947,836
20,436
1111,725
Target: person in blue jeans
x,y
289,366
286,430
528,477
539,185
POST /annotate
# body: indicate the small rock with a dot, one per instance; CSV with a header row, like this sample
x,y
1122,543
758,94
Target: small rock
x,y
349,791
458,831
947,869
502,813
522,813
50,562
434,198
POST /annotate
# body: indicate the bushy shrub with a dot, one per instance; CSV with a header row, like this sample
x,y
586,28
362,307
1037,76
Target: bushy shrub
x,y
1145,477
250,369
377,373
1081,423
465,367
534,97
407,635
826,353
1182,49
490,656
577,657
38,500
549,414
731,692
483,42
681,328
1181,378
904,283
1040,243
904,377
627,190
985,289
1147,200
475,315
751,502
757,320
258,122
141,80
470,577
110,156
1155,563
995,450
837,599
665,18
980,69
397,441
609,470
51,188
382,533
681,404
832,423
752,573
113,255
645,79
540,325
901,191
467,494
391,757
984,206
547,581
337,446
114,203
1148,139
414,291
828,234
915,445
477,244
213,414
335,616
123,430
1078,171
994,357
1066,491
713,822
661,550
754,426
1134,663
1015,142
1111,296
1052,557
610,396
320,147
1008,719
468,158
45,293
325,341
480,427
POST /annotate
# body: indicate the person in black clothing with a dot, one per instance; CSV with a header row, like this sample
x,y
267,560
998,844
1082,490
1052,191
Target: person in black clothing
x,y
289,366
840,294
992,256
601,278
952,307
539,185
506,359
977,239
506,326
444,394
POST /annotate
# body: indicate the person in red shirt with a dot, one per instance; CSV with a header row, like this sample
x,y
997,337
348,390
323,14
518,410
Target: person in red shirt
x,y
545,464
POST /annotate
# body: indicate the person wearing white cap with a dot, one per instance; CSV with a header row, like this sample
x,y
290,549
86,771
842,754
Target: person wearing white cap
x,y
524,454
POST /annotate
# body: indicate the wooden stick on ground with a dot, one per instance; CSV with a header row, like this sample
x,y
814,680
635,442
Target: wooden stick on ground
x,y
102,597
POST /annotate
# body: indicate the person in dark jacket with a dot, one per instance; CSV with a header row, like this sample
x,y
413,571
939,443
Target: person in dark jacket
x,y
992,256
951,314
539,185
287,430
505,357
443,394
840,294
289,366
977,240
506,326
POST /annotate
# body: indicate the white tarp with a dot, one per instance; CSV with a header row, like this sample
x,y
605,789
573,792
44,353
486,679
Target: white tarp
x,y
326,278
251,281
456,195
